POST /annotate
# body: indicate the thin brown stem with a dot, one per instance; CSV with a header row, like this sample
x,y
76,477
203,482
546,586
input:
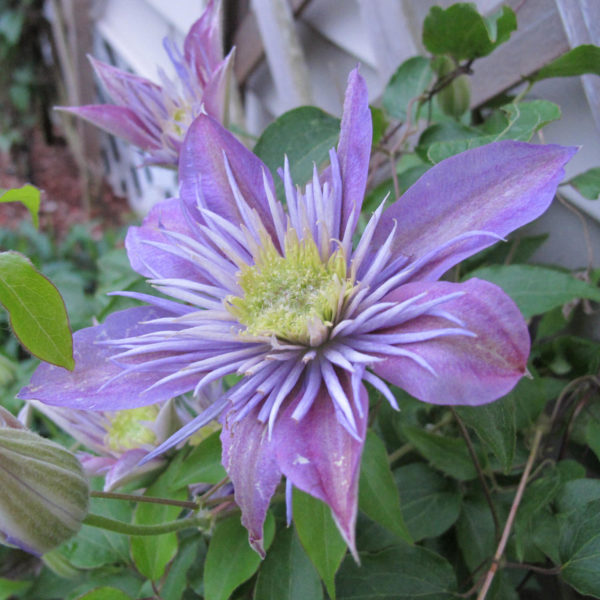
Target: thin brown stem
x,y
148,499
511,515
534,568
480,475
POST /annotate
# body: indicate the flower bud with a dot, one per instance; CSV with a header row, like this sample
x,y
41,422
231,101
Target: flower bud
x,y
44,494
455,98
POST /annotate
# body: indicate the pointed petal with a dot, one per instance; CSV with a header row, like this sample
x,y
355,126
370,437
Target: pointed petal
x,y
249,460
204,178
80,388
468,370
117,120
216,91
151,261
203,45
127,468
321,458
354,148
495,188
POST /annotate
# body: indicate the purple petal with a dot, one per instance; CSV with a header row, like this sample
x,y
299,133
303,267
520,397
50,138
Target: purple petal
x,y
354,148
81,388
150,261
127,468
204,178
249,460
203,46
468,370
321,458
117,120
495,188
216,89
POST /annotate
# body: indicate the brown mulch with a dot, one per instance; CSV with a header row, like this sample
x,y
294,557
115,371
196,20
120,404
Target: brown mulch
x,y
52,169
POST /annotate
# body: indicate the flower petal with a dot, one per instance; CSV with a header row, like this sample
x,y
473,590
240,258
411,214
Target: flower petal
x,y
117,120
495,188
468,370
204,179
216,91
203,45
249,460
127,468
81,388
354,148
321,458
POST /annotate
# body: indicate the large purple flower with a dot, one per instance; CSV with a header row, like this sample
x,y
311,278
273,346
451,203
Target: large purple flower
x,y
283,298
156,118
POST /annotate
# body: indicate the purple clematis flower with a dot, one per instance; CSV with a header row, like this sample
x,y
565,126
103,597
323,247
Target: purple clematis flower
x,y
155,118
283,298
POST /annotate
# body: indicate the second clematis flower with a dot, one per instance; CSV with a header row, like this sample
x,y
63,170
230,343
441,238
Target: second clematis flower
x,y
286,299
156,117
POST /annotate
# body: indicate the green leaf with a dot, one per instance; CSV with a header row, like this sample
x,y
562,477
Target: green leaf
x,y
475,531
495,425
592,436
576,493
230,560
305,135
449,455
378,495
11,588
402,572
430,503
578,61
202,464
410,80
379,123
27,195
530,396
37,312
287,573
176,580
105,593
587,183
319,536
152,554
537,290
580,549
463,33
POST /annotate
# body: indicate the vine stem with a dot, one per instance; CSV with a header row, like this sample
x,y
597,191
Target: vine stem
x,y
131,529
149,499
511,515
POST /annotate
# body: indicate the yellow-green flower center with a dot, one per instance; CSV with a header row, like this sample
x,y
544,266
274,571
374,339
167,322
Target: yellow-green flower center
x,y
129,428
288,296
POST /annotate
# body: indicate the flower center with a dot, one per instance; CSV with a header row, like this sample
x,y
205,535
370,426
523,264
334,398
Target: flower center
x,y
294,297
127,429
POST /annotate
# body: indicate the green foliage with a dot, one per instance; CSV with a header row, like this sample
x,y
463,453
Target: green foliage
x,y
587,183
578,61
27,195
410,80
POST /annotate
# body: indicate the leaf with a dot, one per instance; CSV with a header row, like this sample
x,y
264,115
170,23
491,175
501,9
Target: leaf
x,y
402,572
475,531
105,593
587,183
378,495
410,80
495,426
27,195
592,436
152,554
449,455
580,549
305,135
202,464
37,312
430,503
463,33
576,493
287,573
379,123
10,588
319,536
535,289
176,580
578,61
230,560
530,396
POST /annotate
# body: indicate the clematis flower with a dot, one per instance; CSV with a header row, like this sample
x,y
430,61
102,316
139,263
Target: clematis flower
x,y
155,118
285,299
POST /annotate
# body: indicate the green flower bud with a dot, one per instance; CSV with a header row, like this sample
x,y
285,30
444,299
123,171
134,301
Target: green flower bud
x,y
44,493
455,98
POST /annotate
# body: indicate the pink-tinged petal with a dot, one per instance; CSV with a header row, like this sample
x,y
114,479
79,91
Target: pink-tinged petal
x,y
249,459
203,174
95,465
82,387
127,468
354,148
216,90
468,370
117,120
495,188
150,261
203,45
321,458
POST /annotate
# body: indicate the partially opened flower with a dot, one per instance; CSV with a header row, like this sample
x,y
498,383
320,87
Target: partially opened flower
x,y
283,298
156,117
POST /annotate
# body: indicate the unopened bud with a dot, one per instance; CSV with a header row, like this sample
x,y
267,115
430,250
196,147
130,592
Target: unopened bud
x,y
455,98
44,493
